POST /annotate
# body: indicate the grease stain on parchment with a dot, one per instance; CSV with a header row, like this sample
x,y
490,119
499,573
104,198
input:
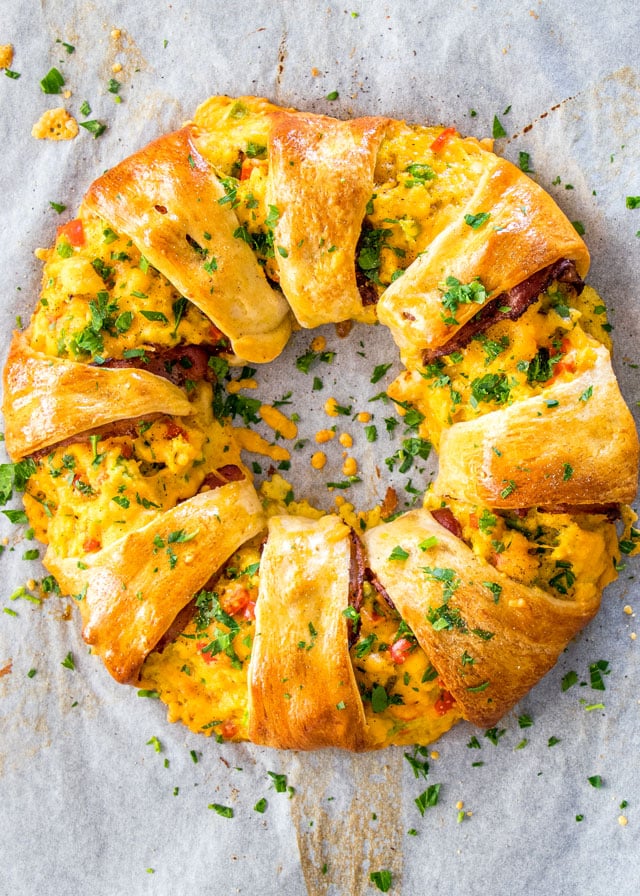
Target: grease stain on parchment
x,y
343,836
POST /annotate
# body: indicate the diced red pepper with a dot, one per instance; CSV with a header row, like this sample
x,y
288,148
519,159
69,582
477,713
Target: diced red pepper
x,y
247,167
444,703
73,232
443,138
400,650
172,430
90,545
228,729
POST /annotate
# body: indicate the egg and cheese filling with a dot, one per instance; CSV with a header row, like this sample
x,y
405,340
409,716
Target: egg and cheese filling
x,y
202,674
101,299
511,361
87,494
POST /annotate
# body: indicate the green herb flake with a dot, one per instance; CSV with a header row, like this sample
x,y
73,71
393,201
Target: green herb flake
x,y
224,811
633,201
579,228
155,743
476,221
85,109
498,131
279,782
332,96
379,371
595,781
381,879
569,680
524,162
57,207
398,553
428,798
553,741
94,127
52,81
10,74
153,695
68,662
261,806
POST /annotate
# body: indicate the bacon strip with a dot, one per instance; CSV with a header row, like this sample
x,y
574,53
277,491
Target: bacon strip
x,y
509,305
179,364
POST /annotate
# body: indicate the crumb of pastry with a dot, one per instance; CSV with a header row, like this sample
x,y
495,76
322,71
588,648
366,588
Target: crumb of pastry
x,y
6,55
55,124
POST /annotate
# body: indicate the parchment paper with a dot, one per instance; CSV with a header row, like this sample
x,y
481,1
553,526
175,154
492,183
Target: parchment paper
x,y
87,806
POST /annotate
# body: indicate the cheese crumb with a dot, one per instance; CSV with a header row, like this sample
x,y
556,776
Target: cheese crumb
x,y
345,440
318,344
116,67
350,466
6,55
628,610
459,804
623,820
434,754
278,421
324,435
318,460
55,124
116,33
330,407
363,417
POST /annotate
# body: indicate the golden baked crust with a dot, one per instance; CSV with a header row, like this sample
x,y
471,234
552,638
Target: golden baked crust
x,y
575,443
168,201
320,180
47,400
239,222
302,689
489,637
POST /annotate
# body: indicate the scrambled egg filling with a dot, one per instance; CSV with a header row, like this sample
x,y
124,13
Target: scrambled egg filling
x,y
511,361
101,299
84,495
202,674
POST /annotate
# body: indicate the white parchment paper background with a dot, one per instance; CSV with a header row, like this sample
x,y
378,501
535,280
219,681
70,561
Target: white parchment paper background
x,y
86,804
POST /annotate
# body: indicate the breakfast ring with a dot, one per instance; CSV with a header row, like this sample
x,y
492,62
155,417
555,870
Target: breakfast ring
x,y
258,618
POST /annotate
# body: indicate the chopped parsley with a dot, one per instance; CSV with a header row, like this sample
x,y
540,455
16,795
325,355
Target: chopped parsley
x,y
455,293
52,82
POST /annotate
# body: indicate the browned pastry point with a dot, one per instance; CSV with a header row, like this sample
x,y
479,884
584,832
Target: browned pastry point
x,y
166,199
574,442
302,689
130,592
48,400
490,638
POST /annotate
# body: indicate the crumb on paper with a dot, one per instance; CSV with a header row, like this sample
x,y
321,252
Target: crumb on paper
x,y
116,67
116,34
55,124
6,55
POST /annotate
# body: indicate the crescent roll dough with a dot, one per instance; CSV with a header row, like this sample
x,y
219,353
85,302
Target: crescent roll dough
x,y
524,233
166,198
130,592
490,638
320,180
48,400
302,689
574,443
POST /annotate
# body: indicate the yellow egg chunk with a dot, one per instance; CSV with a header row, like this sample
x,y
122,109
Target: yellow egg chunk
x,y
55,124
